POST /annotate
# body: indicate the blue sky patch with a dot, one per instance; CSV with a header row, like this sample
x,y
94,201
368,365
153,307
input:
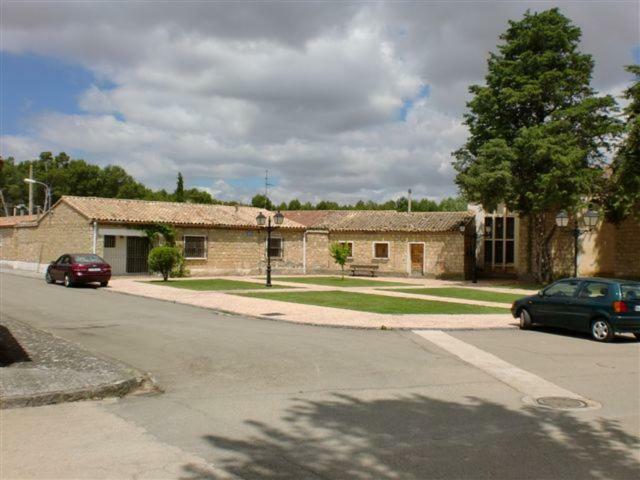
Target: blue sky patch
x,y
408,103
32,84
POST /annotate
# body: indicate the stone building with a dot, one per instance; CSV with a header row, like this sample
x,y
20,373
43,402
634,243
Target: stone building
x,y
219,240
607,250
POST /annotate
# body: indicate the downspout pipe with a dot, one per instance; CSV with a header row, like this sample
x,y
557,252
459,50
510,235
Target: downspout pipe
x,y
95,237
304,253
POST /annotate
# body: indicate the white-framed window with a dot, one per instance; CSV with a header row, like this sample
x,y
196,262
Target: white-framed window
x,y
195,246
500,244
349,244
276,247
381,250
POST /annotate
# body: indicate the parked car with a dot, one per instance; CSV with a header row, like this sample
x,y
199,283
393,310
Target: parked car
x,y
76,268
600,306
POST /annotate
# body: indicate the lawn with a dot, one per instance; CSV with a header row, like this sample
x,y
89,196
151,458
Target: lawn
x,y
211,284
338,282
365,302
464,293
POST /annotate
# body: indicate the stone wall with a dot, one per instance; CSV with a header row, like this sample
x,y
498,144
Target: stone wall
x,y
444,252
627,250
243,252
607,251
61,231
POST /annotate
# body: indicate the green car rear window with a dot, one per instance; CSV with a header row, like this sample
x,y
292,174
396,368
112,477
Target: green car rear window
x,y
630,291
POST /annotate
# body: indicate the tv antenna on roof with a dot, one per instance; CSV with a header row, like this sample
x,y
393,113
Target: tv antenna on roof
x,y
266,183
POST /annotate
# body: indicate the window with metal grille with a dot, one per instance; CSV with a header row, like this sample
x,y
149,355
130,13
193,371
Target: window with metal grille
x,y
381,250
195,246
275,248
109,241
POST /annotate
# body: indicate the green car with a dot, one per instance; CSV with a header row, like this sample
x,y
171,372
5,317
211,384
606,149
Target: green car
x,y
600,306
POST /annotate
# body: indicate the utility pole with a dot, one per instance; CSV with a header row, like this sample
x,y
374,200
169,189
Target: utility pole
x,y
30,189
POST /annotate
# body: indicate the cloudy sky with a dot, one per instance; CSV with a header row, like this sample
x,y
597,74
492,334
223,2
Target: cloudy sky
x,y
338,100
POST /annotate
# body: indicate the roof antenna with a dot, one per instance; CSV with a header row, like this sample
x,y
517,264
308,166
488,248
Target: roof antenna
x,y
266,183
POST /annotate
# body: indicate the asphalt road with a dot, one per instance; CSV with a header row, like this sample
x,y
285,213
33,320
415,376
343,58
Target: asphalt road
x,y
272,400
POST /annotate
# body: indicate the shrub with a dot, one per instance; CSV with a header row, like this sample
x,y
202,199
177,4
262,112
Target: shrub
x,y
163,260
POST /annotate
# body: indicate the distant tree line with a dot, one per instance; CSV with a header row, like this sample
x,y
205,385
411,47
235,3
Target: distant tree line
x,y
449,204
67,176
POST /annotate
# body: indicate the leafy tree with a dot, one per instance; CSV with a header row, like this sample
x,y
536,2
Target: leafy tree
x,y
161,230
294,204
282,206
194,195
451,204
178,195
538,131
624,185
163,259
340,253
326,205
261,201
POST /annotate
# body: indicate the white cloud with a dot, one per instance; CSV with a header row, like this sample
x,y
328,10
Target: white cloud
x,y
311,92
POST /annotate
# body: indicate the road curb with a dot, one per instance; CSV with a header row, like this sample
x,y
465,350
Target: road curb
x,y
313,324
55,362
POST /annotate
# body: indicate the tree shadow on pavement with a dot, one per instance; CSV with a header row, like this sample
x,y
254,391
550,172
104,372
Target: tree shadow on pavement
x,y
417,437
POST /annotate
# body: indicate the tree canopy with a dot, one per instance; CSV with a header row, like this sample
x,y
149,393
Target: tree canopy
x,y
624,198
538,132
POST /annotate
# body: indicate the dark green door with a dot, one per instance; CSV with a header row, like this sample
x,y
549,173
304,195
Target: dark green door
x,y
137,254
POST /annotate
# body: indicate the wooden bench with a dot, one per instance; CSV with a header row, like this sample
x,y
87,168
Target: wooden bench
x,y
371,269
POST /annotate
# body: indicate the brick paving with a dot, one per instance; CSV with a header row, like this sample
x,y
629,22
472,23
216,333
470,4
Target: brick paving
x,y
328,316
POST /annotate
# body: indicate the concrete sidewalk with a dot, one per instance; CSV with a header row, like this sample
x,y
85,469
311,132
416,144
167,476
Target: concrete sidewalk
x,y
53,370
311,314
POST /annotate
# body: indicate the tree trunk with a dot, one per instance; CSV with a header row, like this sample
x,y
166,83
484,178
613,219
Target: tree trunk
x,y
542,235
342,271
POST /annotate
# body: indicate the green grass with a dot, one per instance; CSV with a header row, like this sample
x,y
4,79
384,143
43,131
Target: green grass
x,y
464,293
522,285
211,284
338,282
365,302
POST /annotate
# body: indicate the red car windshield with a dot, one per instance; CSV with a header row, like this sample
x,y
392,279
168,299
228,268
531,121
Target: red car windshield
x,y
87,258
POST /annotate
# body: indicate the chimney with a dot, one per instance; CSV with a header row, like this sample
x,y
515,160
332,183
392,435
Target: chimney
x,y
409,203
31,189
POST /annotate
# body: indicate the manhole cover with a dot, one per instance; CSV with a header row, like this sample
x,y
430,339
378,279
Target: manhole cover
x,y
561,402
272,314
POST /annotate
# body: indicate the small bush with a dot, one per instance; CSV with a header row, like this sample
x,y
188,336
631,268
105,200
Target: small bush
x,y
163,260
340,254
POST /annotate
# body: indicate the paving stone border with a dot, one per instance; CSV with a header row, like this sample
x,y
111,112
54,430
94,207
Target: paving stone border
x,y
60,371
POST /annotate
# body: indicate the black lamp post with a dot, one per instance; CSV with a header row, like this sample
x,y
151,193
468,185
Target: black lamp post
x,y
589,220
475,237
262,220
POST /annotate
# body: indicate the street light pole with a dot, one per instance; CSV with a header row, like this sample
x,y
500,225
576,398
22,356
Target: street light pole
x,y
475,237
47,192
262,220
589,219
269,252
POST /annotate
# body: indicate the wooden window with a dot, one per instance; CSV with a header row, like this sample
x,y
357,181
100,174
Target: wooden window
x,y
500,244
195,246
275,247
350,245
109,241
381,250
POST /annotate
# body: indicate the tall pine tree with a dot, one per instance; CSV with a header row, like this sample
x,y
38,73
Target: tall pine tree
x,y
538,131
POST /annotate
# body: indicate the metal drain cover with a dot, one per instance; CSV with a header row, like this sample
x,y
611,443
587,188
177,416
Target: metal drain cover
x,y
272,314
561,402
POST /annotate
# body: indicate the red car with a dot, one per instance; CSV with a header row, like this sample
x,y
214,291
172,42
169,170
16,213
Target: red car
x,y
76,268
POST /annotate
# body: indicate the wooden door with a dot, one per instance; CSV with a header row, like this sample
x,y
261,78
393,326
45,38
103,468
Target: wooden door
x,y
417,258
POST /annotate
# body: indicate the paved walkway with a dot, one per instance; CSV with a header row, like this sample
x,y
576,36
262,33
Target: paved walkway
x,y
328,316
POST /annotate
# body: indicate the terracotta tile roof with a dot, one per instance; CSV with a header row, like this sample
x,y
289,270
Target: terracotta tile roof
x,y
380,220
17,219
114,210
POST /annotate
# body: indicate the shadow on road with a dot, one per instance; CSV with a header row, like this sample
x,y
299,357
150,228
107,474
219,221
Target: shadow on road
x,y
417,437
626,338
